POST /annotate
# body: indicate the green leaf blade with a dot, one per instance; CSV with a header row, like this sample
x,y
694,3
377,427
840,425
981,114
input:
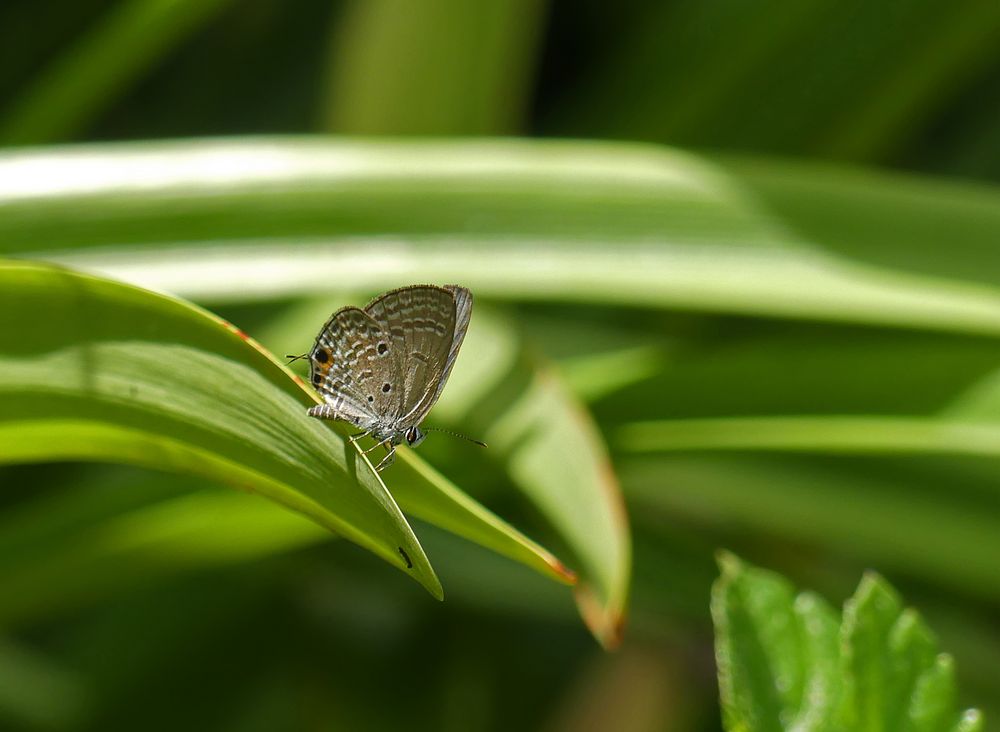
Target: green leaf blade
x,y
553,453
897,679
608,223
175,387
765,643
877,670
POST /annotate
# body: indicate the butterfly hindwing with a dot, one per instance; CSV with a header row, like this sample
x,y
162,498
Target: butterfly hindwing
x,y
344,368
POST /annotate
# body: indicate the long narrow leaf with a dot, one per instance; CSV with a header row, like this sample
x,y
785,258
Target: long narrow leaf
x,y
861,434
511,219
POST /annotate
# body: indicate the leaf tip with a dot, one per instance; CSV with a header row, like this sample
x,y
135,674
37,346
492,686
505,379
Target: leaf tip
x,y
563,572
729,564
875,591
606,624
971,721
435,588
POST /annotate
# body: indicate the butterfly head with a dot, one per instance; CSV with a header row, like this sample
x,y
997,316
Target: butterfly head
x,y
413,436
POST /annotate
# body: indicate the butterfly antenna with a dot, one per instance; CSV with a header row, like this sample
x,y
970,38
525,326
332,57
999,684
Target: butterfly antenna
x,y
456,434
292,359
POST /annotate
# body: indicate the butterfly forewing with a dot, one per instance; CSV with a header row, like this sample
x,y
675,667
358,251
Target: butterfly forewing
x,y
463,313
421,323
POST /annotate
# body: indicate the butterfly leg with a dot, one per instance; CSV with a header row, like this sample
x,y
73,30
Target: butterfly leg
x,y
359,435
389,459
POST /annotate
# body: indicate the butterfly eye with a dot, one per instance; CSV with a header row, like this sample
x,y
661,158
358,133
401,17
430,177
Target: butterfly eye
x,y
382,349
321,356
414,436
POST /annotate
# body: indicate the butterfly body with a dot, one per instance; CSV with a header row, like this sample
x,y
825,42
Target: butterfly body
x,y
383,367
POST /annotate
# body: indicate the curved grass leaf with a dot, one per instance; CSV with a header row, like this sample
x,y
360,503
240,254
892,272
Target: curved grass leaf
x,y
860,434
788,662
888,219
762,370
553,452
30,680
248,219
718,75
425,493
136,545
109,372
112,530
370,93
853,507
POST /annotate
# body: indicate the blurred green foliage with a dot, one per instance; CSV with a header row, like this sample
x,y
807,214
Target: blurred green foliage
x,y
792,358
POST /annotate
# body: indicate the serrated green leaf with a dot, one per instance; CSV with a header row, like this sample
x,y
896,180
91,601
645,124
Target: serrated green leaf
x,y
934,696
818,628
896,679
777,654
787,666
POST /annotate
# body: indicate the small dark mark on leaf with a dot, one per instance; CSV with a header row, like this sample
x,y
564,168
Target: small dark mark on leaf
x,y
409,564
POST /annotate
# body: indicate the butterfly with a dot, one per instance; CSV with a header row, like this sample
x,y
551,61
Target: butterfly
x,y
382,368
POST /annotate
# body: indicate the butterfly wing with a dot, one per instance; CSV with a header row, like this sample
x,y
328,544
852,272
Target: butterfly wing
x,y
421,322
345,368
463,314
